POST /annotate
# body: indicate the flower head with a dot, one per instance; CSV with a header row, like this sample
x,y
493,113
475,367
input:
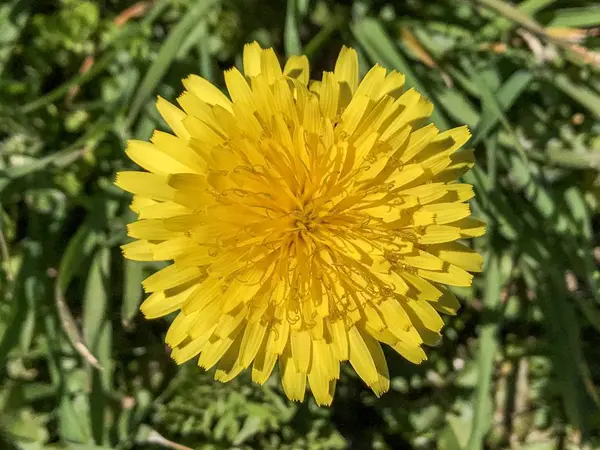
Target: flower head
x,y
308,222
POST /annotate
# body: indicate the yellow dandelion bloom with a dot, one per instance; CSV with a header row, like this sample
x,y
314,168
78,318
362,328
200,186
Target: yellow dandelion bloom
x,y
308,222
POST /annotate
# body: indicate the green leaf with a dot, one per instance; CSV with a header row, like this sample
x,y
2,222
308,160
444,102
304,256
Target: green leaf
x,y
73,417
448,440
88,447
60,158
252,425
13,17
29,286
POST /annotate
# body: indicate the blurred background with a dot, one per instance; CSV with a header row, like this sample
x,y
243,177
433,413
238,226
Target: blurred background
x,y
518,368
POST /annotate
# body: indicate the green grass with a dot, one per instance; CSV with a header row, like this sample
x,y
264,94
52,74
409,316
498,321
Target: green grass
x,y
81,369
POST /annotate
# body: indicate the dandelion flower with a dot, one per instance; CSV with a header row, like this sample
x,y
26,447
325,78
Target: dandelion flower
x,y
308,222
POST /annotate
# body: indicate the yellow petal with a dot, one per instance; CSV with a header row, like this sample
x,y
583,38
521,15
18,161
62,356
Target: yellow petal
x,y
278,337
452,276
329,96
263,97
284,102
230,321
206,91
206,321
178,330
354,113
421,289
139,251
269,65
372,82
346,69
151,158
293,381
178,149
322,390
446,143
413,353
437,234
228,367
204,137
263,366
297,67
470,227
461,162
367,359
251,342
405,175
151,230
418,140
170,277
172,248
458,254
460,192
339,338
163,210
392,85
398,321
428,336
301,349
215,349
447,303
173,116
445,213
428,315
422,260
251,59
140,202
189,348
207,291
145,184
162,303
238,88
193,106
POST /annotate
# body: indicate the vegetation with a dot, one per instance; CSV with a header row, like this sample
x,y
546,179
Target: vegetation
x,y
81,369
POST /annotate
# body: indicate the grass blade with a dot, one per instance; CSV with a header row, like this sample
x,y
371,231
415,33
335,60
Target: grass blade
x,y
502,24
97,334
564,333
488,346
291,37
495,106
166,56
586,16
580,93
133,276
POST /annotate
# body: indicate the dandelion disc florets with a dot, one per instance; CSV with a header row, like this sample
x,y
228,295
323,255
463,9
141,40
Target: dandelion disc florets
x,y
308,222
